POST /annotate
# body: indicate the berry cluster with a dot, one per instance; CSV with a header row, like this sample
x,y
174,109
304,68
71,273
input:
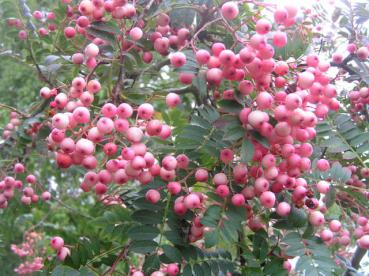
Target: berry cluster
x,y
31,249
10,184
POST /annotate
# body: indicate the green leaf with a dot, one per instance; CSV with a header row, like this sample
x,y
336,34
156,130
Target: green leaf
x,y
247,151
147,217
143,247
187,270
105,26
308,265
143,232
309,231
333,212
200,83
235,133
274,267
229,232
260,245
297,217
211,238
172,253
197,271
230,106
189,252
174,237
297,45
109,37
294,243
259,138
330,198
62,270
349,155
211,216
151,264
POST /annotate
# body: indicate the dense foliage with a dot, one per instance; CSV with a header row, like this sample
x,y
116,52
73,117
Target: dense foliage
x,y
183,138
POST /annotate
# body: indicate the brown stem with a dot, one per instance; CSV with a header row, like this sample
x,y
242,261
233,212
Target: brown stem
x,y
40,74
356,259
89,76
15,110
202,28
119,83
122,255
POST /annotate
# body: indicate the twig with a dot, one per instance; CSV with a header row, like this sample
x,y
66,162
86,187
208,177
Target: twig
x,y
15,110
41,75
104,254
122,255
356,259
89,76
118,85
194,37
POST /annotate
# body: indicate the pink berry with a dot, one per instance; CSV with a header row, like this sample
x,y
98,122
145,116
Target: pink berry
x,y
69,32
280,15
362,53
323,187
178,59
226,155
267,199
287,266
19,168
202,56
152,196
222,191
124,111
183,161
220,179
174,188
214,76
363,242
136,33
279,39
316,218
91,50
263,26
84,147
100,188
192,201
169,162
172,100
335,225
305,80
283,209
323,165
63,253
230,10
45,196
326,235
201,175
145,111
238,200
172,269
31,179
57,243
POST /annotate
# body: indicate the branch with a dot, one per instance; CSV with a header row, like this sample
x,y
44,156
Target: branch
x,y
116,89
89,76
202,28
122,255
356,259
40,74
154,67
184,90
15,110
